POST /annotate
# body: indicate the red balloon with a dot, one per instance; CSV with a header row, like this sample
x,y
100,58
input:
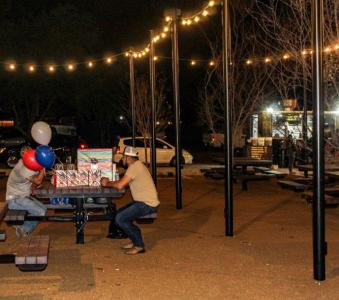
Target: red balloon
x,y
30,162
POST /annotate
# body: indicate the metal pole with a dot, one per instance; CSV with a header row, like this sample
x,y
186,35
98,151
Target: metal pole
x,y
319,244
132,90
305,159
228,212
152,82
174,13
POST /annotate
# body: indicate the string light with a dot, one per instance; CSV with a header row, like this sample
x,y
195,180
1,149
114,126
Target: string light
x,y
51,69
12,67
162,34
31,68
70,67
155,58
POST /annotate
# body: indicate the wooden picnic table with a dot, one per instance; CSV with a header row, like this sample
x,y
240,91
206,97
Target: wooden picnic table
x,y
245,162
79,194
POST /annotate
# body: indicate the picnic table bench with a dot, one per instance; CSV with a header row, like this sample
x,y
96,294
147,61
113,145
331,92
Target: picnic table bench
x,y
292,185
32,253
330,201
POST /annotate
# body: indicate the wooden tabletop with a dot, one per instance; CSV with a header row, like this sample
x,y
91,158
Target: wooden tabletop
x,y
49,191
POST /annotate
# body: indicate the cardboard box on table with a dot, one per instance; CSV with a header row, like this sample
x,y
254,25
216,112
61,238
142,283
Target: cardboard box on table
x,y
98,162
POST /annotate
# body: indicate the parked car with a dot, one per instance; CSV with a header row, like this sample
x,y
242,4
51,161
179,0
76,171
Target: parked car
x,y
165,151
12,140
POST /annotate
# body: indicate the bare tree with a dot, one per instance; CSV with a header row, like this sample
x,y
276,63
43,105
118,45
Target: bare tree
x,y
247,82
143,108
287,27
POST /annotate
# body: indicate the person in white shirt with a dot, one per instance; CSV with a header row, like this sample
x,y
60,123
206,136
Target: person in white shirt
x,y
18,194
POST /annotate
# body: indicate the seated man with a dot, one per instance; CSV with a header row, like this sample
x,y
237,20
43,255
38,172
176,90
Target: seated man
x,y
145,198
18,194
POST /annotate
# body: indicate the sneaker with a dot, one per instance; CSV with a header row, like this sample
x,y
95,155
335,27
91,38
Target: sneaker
x,y
20,233
127,247
135,250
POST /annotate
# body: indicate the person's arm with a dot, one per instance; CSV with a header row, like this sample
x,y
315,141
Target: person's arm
x,y
38,179
120,184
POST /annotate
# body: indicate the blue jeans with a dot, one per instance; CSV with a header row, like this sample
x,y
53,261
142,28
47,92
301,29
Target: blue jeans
x,y
127,214
33,206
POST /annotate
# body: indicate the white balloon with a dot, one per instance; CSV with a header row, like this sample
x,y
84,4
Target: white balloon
x,y
41,133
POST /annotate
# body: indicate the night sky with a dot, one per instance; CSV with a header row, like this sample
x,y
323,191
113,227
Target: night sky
x,y
58,31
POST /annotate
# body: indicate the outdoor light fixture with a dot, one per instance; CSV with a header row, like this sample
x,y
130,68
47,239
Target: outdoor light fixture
x,y
193,63
205,13
90,64
12,67
211,3
70,67
155,58
166,29
196,19
270,110
31,68
268,60
212,63
248,62
168,19
109,60
51,69
286,56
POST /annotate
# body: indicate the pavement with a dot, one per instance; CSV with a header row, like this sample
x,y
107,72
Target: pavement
x,y
188,255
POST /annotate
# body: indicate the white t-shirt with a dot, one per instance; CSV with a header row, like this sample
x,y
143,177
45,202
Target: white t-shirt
x,y
18,183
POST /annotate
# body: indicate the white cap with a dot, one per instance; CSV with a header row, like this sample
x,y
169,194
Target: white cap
x,y
130,151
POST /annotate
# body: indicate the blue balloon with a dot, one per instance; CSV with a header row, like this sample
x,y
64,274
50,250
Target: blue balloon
x,y
45,156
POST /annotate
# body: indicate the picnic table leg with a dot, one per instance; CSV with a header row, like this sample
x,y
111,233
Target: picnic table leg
x,y
80,219
114,232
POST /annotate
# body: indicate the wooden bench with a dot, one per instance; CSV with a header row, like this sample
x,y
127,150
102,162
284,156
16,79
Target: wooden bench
x,y
277,174
15,216
294,186
330,201
32,254
262,169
